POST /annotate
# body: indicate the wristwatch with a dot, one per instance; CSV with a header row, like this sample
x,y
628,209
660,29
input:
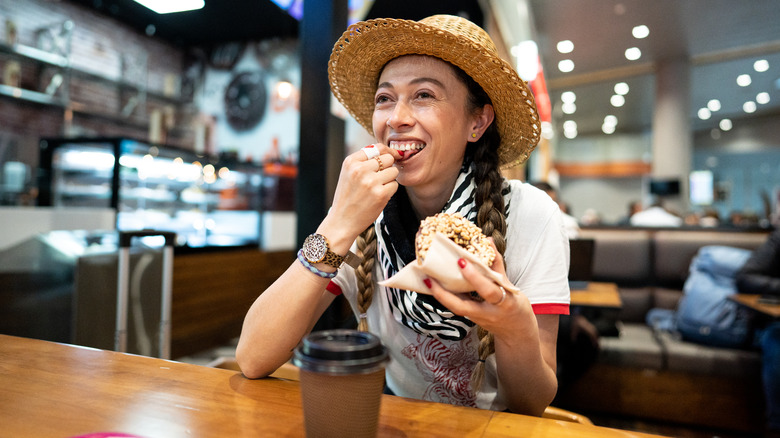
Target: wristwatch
x,y
316,249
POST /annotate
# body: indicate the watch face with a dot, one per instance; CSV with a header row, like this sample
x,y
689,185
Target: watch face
x,y
314,248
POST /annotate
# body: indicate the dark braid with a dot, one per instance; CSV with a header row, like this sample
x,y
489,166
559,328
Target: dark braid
x,y
366,245
491,217
491,211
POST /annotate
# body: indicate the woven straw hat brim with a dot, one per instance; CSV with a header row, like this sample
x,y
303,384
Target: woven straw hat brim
x,y
365,47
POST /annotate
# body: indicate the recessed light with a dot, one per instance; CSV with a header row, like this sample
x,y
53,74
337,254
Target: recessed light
x,y
640,31
761,65
610,120
566,65
704,113
608,129
621,88
569,108
725,125
570,125
170,6
749,107
565,46
547,130
762,98
568,97
743,80
633,53
713,105
617,100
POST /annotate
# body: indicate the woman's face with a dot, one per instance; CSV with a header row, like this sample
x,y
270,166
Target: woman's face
x,y
421,108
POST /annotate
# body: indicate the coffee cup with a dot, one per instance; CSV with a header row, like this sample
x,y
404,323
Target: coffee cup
x,y
342,380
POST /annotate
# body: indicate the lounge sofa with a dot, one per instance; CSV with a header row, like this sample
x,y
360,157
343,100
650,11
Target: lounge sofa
x,y
642,373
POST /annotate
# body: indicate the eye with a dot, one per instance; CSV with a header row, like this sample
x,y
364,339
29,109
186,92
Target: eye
x,y
381,98
425,95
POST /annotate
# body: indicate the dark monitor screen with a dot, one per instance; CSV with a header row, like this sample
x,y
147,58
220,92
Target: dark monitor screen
x,y
665,187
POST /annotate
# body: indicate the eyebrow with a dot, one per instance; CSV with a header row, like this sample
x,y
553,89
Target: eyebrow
x,y
414,81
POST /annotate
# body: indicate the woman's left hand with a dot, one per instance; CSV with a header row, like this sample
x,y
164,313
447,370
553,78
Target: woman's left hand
x,y
493,310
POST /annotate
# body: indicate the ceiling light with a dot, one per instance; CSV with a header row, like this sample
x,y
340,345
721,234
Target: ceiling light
x,y
633,53
743,80
527,55
762,98
725,125
610,120
640,31
565,46
621,88
169,6
569,108
608,129
761,65
570,129
568,97
566,65
617,100
547,130
749,107
713,105
704,113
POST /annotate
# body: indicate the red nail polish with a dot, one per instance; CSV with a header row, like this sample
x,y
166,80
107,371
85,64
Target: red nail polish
x,y
401,153
371,146
462,263
427,282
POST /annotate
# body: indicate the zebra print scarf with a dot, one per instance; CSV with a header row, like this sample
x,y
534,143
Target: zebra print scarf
x,y
396,229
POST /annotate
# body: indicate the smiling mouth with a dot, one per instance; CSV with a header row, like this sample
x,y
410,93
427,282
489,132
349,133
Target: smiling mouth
x,y
408,147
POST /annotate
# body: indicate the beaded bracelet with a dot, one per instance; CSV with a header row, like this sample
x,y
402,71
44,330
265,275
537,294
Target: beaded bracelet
x,y
313,269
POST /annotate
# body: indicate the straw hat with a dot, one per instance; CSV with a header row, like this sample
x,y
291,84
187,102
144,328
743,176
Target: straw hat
x,y
365,47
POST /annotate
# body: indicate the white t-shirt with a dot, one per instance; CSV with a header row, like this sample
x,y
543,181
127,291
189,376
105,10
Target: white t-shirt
x,y
422,367
655,217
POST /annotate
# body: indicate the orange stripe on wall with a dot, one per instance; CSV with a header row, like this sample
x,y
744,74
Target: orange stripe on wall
x,y
610,169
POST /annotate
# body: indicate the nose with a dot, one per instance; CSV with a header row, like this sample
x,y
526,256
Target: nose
x,y
401,116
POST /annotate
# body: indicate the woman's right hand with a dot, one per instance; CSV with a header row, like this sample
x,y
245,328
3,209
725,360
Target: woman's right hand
x,y
362,192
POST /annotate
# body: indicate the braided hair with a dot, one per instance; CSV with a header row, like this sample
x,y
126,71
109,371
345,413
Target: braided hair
x,y
491,217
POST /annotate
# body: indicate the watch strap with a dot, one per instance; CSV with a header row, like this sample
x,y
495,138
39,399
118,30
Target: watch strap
x,y
330,258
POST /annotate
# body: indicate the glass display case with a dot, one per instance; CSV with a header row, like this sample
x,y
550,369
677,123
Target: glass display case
x,y
205,201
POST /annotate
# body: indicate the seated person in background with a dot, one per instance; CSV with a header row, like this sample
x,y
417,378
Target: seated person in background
x,y
569,222
709,218
761,275
578,338
634,207
656,216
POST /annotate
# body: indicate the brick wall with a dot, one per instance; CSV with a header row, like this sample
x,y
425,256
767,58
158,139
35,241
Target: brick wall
x,y
98,44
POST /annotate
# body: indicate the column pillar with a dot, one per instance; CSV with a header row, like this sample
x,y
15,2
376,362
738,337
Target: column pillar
x,y
321,148
672,138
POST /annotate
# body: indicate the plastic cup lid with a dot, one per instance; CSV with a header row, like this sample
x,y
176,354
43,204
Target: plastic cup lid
x,y
340,351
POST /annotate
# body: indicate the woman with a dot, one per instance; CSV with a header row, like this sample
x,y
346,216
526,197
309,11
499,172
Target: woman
x,y
446,112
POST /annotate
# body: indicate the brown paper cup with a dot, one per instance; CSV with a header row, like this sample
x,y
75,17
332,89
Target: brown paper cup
x,y
342,377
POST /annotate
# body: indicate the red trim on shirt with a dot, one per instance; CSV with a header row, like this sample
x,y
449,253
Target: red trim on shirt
x,y
550,309
333,288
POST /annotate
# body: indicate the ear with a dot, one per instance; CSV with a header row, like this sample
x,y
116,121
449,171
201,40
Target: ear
x,y
482,119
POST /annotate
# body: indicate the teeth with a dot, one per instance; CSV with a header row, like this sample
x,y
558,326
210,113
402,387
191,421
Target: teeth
x,y
406,146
